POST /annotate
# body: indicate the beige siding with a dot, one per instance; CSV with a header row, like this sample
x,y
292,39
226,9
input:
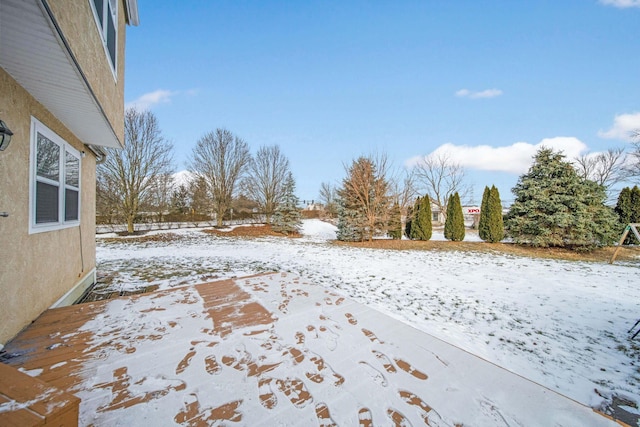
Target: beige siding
x,y
76,20
36,269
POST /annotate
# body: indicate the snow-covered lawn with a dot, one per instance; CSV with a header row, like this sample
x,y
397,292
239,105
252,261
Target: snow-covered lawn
x,y
559,323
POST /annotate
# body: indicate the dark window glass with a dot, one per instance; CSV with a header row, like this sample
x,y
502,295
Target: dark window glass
x,y
70,205
111,37
99,5
46,203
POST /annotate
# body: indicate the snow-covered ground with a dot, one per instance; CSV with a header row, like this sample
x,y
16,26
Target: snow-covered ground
x,y
559,323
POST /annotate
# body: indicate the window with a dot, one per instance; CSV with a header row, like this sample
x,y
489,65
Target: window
x,y
435,216
55,181
106,14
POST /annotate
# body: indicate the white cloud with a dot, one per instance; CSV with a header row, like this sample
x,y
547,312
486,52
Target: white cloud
x,y
150,99
487,93
623,126
515,158
622,4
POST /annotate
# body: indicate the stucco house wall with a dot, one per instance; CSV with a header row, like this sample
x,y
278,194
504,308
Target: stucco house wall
x,y
40,268
37,269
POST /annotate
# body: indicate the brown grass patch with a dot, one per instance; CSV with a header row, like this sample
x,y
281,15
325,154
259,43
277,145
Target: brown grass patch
x,y
257,230
627,253
142,237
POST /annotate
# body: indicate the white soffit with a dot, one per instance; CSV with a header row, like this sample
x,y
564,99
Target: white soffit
x,y
34,54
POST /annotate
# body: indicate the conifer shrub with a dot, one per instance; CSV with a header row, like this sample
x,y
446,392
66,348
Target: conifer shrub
x,y
421,228
454,224
493,227
483,224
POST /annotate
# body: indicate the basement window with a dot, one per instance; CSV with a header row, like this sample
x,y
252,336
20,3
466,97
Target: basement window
x,y
55,181
106,15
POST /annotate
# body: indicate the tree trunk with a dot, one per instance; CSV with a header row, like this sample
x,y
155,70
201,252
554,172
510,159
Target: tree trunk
x,y
130,219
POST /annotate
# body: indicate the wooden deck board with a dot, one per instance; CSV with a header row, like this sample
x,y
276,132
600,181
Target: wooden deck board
x,y
35,402
254,350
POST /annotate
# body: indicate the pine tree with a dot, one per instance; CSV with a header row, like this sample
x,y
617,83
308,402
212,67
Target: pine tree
x,y
287,218
421,227
350,220
395,222
554,206
483,224
454,224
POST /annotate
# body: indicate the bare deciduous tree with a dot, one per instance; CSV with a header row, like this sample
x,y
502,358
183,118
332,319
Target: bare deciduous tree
x,y
329,198
604,168
441,177
160,192
127,175
632,165
366,190
264,183
404,189
221,159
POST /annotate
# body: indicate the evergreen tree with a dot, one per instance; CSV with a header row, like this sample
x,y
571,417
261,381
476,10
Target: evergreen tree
x,y
554,206
454,224
350,223
491,227
483,224
409,222
365,204
496,222
395,222
180,200
635,204
287,218
421,227
200,196
628,211
624,210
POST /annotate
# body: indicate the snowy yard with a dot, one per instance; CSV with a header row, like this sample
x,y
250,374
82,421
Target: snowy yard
x,y
559,323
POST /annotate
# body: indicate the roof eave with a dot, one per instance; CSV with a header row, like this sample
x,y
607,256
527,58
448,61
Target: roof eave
x,y
132,12
35,53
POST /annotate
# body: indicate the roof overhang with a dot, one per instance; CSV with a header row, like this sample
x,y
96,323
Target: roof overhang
x,y
132,12
35,53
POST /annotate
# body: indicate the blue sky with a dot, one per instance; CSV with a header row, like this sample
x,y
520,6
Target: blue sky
x,y
328,81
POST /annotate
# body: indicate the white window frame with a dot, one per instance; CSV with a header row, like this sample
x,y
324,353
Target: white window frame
x,y
38,127
107,5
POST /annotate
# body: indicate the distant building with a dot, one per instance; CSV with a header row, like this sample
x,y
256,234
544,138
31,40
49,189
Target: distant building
x,y
471,216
